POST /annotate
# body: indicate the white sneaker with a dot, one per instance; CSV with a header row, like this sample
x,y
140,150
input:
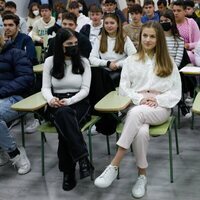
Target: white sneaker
x,y
107,177
139,188
33,127
21,162
188,115
4,158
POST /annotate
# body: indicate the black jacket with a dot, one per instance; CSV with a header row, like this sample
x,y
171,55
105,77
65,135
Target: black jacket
x,y
16,72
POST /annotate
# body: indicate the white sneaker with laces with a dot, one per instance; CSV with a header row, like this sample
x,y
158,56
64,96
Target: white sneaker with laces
x,y
139,188
21,162
33,127
4,158
107,177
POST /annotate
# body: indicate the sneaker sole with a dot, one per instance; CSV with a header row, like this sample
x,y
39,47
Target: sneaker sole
x,y
141,196
25,172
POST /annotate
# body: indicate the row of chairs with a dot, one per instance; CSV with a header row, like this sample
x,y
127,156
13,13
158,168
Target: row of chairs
x,y
36,101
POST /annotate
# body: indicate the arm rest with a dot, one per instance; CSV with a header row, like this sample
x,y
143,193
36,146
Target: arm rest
x,y
112,102
31,103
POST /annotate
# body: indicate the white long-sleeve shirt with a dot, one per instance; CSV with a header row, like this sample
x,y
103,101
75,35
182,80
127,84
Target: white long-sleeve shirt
x,y
100,59
81,21
79,83
138,76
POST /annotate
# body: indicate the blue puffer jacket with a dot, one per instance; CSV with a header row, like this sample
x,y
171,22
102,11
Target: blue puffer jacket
x,y
16,72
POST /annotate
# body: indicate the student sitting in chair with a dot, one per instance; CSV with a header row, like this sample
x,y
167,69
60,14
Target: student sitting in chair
x,y
151,79
16,79
65,86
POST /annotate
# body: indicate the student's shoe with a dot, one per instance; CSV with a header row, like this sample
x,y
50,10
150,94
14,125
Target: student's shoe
x,y
13,123
139,189
185,110
107,177
32,127
188,115
69,181
22,162
189,101
4,158
85,167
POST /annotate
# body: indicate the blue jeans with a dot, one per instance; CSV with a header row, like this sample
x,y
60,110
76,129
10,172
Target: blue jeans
x,y
7,142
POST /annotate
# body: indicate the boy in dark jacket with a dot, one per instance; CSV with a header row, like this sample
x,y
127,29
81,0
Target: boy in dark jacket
x,y
69,21
20,40
16,79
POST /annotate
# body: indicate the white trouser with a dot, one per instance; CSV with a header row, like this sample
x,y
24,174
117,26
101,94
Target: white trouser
x,y
136,130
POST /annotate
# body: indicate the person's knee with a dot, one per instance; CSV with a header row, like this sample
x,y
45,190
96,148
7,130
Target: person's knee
x,y
136,113
143,134
63,113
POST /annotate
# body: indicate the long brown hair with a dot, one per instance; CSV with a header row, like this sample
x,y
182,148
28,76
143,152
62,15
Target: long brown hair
x,y
120,39
163,64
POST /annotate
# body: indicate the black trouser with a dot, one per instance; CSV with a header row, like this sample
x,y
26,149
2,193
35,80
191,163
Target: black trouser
x,y
71,146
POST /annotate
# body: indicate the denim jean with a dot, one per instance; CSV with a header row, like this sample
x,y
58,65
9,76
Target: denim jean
x,y
7,142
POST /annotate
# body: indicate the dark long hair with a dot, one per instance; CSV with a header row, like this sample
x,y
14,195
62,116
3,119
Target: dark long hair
x,y
174,30
170,15
59,56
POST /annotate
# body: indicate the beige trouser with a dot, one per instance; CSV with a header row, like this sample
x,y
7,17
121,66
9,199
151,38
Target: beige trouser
x,y
136,130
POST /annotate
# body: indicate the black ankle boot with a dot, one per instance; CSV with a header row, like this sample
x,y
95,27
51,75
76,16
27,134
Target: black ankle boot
x,y
86,168
69,181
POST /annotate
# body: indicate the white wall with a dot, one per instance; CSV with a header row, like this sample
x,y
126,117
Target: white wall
x,y
22,7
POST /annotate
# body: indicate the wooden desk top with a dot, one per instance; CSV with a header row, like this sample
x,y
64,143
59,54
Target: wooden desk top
x,y
190,70
31,103
112,102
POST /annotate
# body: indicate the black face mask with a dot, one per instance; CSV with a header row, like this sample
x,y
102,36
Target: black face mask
x,y
71,51
166,26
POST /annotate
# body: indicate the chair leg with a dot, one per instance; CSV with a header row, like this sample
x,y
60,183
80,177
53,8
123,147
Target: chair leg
x,y
176,137
131,148
44,137
192,125
179,117
108,144
23,134
170,156
90,145
42,152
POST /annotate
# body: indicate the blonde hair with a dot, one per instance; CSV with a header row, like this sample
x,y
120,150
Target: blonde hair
x,y
120,38
163,65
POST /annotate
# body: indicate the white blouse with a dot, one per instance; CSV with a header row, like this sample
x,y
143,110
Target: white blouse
x,y
79,83
100,59
138,76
